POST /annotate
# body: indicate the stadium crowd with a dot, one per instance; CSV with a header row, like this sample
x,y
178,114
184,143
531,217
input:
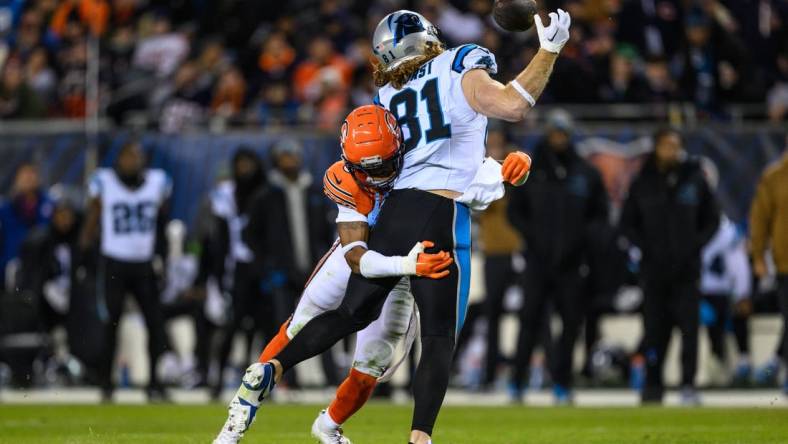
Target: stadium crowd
x,y
559,243
178,64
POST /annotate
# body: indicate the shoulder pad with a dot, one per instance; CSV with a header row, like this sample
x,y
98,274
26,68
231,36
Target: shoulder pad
x,y
340,187
471,56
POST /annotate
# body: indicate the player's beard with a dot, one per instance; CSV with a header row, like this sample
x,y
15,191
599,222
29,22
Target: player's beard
x,y
131,180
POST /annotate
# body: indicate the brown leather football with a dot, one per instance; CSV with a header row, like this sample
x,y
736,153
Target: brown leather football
x,y
514,15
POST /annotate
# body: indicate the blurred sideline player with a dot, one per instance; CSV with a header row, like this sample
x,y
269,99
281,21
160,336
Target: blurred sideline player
x,y
372,158
128,204
441,99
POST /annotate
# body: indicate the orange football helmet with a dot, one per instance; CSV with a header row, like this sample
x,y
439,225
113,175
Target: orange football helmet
x,y
371,144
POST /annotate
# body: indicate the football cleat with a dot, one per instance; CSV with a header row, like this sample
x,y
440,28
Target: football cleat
x,y
562,395
326,434
257,383
766,376
689,397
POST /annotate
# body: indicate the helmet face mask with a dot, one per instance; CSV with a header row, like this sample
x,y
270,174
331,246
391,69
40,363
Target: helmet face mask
x,y
401,36
376,174
371,144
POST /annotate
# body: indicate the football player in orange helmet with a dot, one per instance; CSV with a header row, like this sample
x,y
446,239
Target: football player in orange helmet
x,y
371,144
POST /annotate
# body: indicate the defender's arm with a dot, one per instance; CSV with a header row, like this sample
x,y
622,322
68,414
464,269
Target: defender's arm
x,y
350,232
371,264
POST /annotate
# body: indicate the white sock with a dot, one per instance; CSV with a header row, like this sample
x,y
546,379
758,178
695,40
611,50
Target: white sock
x,y
327,422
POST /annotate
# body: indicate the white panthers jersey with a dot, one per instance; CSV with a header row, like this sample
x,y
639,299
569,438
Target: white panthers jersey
x,y
444,136
129,216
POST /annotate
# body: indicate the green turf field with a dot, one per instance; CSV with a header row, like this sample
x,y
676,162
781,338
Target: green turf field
x,y
384,424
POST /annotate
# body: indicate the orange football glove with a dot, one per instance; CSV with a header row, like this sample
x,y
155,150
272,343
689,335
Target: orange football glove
x,y
516,168
430,265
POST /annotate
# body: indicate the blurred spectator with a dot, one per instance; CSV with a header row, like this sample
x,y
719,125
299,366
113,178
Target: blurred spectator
x,y
71,92
624,83
458,27
163,50
10,12
183,106
127,212
768,219
30,33
777,97
575,77
653,26
47,262
725,284
321,50
726,288
502,247
304,233
27,207
322,63
276,58
17,99
670,214
711,63
659,82
234,265
309,215
229,94
40,76
275,107
92,13
565,196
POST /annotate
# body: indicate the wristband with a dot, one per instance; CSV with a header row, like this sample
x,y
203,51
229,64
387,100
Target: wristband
x,y
352,245
526,95
374,265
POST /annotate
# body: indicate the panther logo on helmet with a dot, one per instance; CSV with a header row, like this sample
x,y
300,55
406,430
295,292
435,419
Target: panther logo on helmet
x,y
405,24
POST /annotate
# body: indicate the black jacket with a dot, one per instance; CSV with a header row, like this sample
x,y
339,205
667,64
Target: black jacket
x,y
268,232
555,210
670,216
39,261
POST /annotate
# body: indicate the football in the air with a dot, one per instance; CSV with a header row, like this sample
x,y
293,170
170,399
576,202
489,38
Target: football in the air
x,y
514,15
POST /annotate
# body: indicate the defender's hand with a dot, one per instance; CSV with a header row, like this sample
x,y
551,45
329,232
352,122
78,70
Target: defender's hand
x,y
555,36
516,168
431,265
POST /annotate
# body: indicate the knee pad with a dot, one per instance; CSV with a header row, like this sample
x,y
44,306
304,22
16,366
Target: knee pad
x,y
374,358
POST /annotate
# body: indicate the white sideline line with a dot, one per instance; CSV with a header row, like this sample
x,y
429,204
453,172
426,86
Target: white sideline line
x,y
583,398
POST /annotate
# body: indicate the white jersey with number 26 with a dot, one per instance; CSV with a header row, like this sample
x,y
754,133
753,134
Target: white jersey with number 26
x,y
129,215
444,136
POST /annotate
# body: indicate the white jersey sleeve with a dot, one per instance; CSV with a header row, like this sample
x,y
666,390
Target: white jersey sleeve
x,y
347,214
467,58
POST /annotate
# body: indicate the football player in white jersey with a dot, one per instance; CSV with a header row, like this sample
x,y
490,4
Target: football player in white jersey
x,y
126,205
441,99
